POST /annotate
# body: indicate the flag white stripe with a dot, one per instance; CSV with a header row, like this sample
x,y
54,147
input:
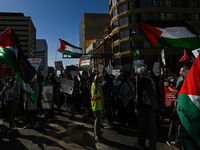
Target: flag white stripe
x,y
196,100
72,49
176,32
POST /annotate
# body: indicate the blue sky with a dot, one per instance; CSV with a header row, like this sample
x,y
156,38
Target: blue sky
x,y
54,19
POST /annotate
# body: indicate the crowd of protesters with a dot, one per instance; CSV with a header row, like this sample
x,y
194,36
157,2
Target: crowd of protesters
x,y
123,98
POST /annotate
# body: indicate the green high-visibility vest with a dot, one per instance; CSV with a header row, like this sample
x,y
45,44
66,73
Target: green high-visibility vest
x,y
95,99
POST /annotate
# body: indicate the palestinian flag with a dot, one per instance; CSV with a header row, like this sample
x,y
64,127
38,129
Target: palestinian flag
x,y
69,49
170,34
84,63
188,107
187,58
11,54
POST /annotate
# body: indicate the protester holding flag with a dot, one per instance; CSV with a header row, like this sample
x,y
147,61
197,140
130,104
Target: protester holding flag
x,y
188,108
177,143
146,107
10,90
11,54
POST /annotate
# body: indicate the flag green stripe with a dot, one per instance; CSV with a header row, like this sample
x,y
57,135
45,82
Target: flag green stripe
x,y
70,53
83,68
7,56
192,43
189,115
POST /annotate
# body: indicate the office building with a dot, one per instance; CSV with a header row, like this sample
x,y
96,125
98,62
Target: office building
x,y
124,14
42,52
24,28
91,27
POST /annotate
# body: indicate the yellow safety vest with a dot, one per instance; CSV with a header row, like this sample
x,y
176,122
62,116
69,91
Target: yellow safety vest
x,y
95,99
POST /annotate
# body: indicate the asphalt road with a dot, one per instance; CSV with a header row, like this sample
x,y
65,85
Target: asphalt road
x,y
64,134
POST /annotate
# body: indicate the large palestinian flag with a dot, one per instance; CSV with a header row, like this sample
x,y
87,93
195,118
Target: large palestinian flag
x,y
11,54
187,58
170,34
188,107
69,49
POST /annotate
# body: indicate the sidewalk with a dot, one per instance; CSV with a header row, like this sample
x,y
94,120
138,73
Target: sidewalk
x,y
64,134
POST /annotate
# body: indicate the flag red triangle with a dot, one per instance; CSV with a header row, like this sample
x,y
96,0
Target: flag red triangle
x,y
152,33
6,39
191,83
186,57
62,46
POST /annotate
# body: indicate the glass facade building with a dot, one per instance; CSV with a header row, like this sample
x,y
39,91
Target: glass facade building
x,y
124,14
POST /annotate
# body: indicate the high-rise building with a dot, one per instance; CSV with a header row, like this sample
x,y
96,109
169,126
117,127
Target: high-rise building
x,y
23,27
42,52
124,14
91,27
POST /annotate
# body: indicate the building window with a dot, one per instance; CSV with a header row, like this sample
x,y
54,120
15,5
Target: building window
x,y
146,3
169,3
197,29
123,21
125,47
138,44
182,3
123,34
115,24
115,37
184,17
194,4
125,60
147,16
159,3
134,4
114,13
171,16
147,44
160,16
135,17
114,2
116,49
122,8
195,17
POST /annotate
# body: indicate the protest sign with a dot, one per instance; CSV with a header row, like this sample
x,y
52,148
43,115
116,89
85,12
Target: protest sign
x,y
67,86
196,52
155,67
58,65
116,72
47,97
35,62
138,64
109,69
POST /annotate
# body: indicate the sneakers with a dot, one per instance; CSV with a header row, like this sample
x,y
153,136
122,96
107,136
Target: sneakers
x,y
28,126
105,124
109,126
173,145
36,125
